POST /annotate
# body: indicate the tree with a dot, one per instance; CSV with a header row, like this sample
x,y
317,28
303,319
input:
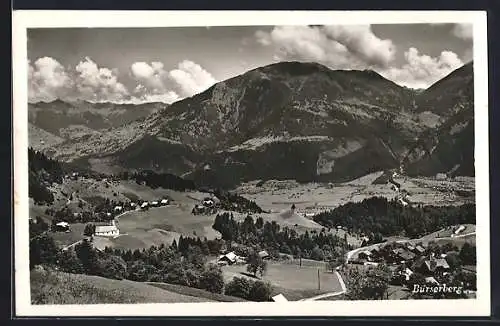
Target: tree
x,y
468,254
256,264
43,250
238,287
88,257
317,254
69,262
211,279
260,291
453,259
370,284
89,229
259,223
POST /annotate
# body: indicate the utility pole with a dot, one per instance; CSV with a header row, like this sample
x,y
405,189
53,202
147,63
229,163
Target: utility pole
x,y
319,282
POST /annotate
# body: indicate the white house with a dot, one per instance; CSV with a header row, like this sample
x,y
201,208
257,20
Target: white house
x,y
144,205
164,202
62,226
107,230
208,202
154,203
118,208
460,229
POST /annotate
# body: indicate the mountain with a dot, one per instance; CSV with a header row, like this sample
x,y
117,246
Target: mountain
x,y
79,118
449,148
291,120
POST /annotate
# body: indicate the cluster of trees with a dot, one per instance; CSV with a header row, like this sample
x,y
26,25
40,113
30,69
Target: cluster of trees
x,y
156,180
369,283
377,217
43,171
249,289
234,202
183,262
276,239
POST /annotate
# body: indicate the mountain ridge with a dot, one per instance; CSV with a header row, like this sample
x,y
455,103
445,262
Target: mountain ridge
x,y
327,124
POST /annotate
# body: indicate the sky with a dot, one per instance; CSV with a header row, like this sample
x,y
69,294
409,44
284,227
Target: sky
x,y
136,65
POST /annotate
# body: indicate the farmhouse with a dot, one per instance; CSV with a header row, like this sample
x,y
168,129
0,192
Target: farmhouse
x,y
460,229
432,266
154,203
365,255
403,255
144,205
431,280
118,208
229,258
419,249
164,202
107,230
263,254
208,202
441,176
62,226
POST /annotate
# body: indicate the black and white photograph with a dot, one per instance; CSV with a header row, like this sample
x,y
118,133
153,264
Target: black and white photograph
x,y
306,160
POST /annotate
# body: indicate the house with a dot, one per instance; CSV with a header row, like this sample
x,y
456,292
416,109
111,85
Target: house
x,y
431,280
208,202
118,208
154,203
107,230
432,266
108,214
365,255
407,274
441,176
461,228
62,226
402,254
164,202
229,258
419,249
132,204
410,247
144,205
279,298
263,254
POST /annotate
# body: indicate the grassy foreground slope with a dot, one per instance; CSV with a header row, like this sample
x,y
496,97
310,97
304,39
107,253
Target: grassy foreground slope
x,y
49,287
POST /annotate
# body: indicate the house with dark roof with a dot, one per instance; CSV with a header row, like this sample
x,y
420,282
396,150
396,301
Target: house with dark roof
x,y
263,254
419,249
434,266
402,254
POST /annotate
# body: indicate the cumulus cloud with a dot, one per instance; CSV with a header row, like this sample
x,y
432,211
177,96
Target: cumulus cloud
x,y
421,70
463,31
360,40
190,78
348,46
47,80
152,75
96,83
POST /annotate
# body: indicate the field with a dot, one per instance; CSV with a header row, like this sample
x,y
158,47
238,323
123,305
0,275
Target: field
x,y
293,281
276,195
49,287
141,229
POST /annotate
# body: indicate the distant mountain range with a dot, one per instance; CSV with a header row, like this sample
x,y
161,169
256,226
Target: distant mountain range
x,y
287,120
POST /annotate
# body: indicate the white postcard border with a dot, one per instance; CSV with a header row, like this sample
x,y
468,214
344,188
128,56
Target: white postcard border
x,y
22,20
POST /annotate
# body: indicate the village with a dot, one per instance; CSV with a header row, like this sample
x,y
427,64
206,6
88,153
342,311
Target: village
x,y
420,261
